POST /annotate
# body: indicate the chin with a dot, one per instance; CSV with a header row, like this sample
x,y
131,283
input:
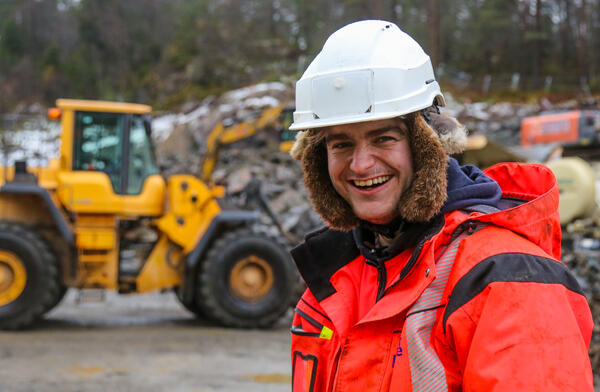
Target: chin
x,y
376,219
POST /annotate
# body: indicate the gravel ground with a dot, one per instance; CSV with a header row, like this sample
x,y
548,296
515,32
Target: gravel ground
x,y
143,342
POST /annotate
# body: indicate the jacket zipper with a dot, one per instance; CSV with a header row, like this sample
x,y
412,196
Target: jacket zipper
x,y
333,375
381,280
381,277
414,256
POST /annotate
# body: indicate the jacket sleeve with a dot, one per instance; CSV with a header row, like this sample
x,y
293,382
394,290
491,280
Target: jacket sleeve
x,y
313,342
520,323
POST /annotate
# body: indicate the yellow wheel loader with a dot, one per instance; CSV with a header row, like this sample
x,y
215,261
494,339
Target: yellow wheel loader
x,y
100,216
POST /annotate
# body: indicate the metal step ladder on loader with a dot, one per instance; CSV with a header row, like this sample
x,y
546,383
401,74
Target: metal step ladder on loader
x,y
100,216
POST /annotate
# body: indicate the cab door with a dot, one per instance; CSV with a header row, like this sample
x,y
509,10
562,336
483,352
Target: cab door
x,y
98,145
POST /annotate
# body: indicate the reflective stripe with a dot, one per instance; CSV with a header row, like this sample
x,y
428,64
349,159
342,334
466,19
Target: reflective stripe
x,y
426,370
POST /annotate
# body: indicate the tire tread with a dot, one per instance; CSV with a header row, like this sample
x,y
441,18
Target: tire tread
x,y
206,298
49,277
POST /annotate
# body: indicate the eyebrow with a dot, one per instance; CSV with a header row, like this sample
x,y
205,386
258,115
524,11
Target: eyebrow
x,y
372,133
379,131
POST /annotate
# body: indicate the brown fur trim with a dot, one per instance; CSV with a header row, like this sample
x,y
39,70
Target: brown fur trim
x,y
453,135
420,202
427,193
300,145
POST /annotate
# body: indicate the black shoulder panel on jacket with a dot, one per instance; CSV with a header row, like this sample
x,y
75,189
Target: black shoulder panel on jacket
x,y
323,253
508,267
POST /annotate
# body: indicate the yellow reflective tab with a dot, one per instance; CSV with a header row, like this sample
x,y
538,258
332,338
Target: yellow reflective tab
x,y
326,333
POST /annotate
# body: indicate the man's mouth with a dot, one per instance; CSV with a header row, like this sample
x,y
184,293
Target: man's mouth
x,y
371,182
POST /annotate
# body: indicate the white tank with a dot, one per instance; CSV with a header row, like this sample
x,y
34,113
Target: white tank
x,y
576,183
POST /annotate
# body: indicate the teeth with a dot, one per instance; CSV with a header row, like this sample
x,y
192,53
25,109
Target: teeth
x,y
372,181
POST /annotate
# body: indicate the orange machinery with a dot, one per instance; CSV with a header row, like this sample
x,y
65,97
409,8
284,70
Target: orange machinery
x,y
577,127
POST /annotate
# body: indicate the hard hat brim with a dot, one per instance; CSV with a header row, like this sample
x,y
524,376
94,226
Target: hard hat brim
x,y
300,125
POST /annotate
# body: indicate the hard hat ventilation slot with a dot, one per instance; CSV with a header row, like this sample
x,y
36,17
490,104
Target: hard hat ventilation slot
x,y
315,116
369,109
429,81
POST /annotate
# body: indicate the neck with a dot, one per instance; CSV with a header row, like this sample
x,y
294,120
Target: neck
x,y
388,230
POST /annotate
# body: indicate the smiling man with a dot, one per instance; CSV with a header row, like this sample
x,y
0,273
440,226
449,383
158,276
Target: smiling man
x,y
429,276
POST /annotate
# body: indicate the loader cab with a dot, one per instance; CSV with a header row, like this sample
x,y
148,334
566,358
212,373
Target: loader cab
x,y
107,162
117,144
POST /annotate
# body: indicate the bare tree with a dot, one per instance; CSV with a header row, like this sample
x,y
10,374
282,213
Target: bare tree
x,y
581,39
537,42
378,9
433,31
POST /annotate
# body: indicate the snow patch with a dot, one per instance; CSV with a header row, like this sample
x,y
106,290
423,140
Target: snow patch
x,y
243,93
262,102
34,141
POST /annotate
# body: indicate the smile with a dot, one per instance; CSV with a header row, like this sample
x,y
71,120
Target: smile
x,y
372,182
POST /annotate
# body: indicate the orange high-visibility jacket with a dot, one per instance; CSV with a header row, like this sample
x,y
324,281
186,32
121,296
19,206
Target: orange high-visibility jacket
x,y
481,303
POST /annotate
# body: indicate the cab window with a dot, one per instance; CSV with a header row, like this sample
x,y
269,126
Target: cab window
x,y
286,119
98,144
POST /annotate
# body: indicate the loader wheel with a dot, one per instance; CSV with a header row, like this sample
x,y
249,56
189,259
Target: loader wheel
x,y
246,280
28,276
190,306
62,291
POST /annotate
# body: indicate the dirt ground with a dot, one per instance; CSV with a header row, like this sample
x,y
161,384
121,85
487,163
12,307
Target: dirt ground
x,y
142,342
148,342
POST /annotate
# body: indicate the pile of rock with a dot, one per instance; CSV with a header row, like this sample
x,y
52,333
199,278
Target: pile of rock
x,y
500,122
581,253
181,144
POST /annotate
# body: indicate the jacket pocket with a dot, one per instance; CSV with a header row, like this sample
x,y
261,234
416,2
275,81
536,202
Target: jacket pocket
x,y
305,325
304,372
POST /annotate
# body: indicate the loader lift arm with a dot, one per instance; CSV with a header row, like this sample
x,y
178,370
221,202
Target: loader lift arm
x,y
220,136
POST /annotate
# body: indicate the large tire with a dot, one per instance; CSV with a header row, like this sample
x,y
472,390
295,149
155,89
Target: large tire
x,y
246,280
29,283
190,306
62,291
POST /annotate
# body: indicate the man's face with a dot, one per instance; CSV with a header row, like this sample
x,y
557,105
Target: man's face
x,y
370,166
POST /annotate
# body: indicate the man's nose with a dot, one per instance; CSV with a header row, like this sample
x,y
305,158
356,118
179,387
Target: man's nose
x,y
362,160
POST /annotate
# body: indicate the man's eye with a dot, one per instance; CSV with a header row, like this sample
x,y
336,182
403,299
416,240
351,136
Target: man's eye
x,y
385,138
340,145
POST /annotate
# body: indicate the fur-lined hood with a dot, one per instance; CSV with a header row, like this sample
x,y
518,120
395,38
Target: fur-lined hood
x,y
430,141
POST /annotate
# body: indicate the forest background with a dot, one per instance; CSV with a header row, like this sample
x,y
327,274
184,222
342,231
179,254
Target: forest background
x,y
165,52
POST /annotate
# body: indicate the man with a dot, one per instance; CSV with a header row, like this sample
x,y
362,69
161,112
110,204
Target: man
x,y
430,276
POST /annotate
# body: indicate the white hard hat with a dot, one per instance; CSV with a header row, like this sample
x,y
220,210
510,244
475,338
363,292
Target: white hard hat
x,y
367,70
